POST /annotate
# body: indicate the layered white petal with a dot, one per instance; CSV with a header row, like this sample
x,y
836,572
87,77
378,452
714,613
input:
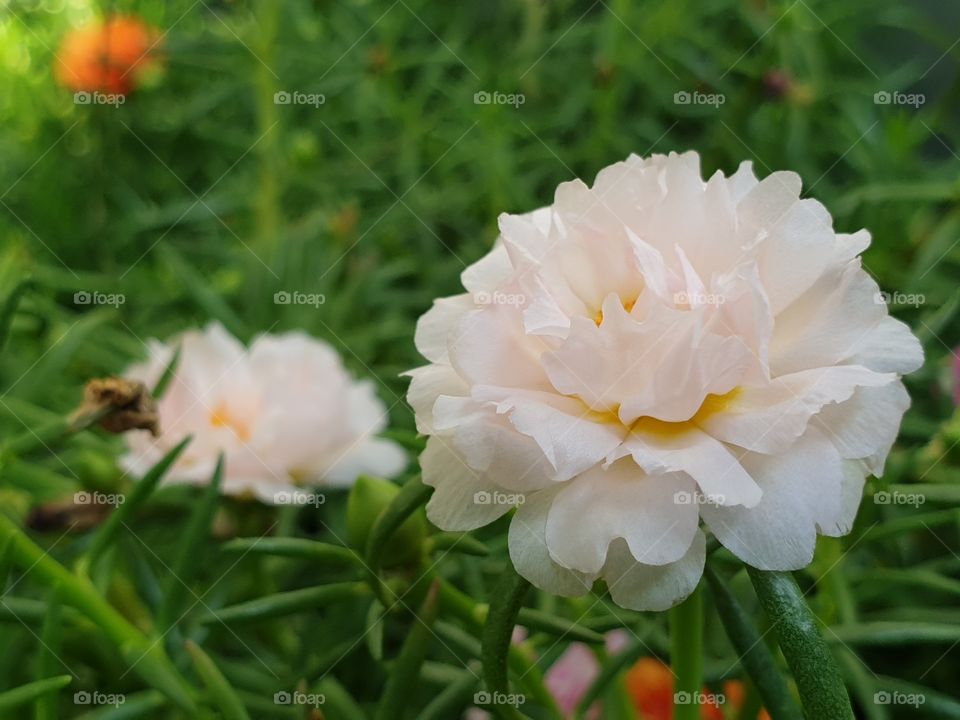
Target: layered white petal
x,y
828,323
489,347
769,418
865,426
711,464
622,502
801,490
636,586
571,437
462,499
529,552
888,347
428,383
434,326
490,445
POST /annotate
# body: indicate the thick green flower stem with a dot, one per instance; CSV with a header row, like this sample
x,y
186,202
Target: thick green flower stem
x,y
497,633
143,654
755,656
686,655
822,691
474,615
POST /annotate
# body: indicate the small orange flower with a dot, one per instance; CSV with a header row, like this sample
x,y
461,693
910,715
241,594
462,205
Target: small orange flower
x,y
650,685
107,57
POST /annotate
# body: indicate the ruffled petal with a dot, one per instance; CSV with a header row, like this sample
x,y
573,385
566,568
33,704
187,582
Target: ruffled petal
x,y
573,438
768,419
434,326
889,347
801,489
490,445
709,462
621,502
865,426
636,586
528,549
462,500
428,383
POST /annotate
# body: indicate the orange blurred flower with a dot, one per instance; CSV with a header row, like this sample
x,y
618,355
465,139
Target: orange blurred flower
x,y
107,56
650,685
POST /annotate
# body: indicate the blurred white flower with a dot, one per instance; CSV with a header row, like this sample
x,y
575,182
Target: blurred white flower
x,y
663,350
286,414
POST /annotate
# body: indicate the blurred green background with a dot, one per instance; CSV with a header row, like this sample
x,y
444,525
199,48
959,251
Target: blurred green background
x,y
201,197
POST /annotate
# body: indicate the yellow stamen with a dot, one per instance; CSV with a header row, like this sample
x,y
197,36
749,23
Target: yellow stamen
x,y
712,405
221,418
628,306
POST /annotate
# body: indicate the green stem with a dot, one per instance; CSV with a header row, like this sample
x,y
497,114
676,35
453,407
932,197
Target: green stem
x,y
814,668
686,655
143,655
474,615
497,633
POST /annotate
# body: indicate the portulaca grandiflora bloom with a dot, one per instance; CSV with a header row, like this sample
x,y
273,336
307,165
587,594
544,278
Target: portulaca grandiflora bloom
x,y
655,351
285,412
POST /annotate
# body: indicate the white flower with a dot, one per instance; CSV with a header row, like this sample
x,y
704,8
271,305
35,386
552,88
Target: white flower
x,y
285,413
681,350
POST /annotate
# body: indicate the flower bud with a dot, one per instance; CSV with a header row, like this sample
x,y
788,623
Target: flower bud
x,y
368,498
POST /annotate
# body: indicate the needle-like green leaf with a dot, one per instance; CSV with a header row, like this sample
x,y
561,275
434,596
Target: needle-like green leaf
x,y
140,492
30,692
222,694
406,670
289,603
189,551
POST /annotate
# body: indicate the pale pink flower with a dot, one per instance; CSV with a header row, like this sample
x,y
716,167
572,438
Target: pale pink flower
x,y
655,351
286,414
569,678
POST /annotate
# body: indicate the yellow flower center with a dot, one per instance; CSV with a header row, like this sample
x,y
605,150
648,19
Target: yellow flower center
x,y
628,306
221,417
712,405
